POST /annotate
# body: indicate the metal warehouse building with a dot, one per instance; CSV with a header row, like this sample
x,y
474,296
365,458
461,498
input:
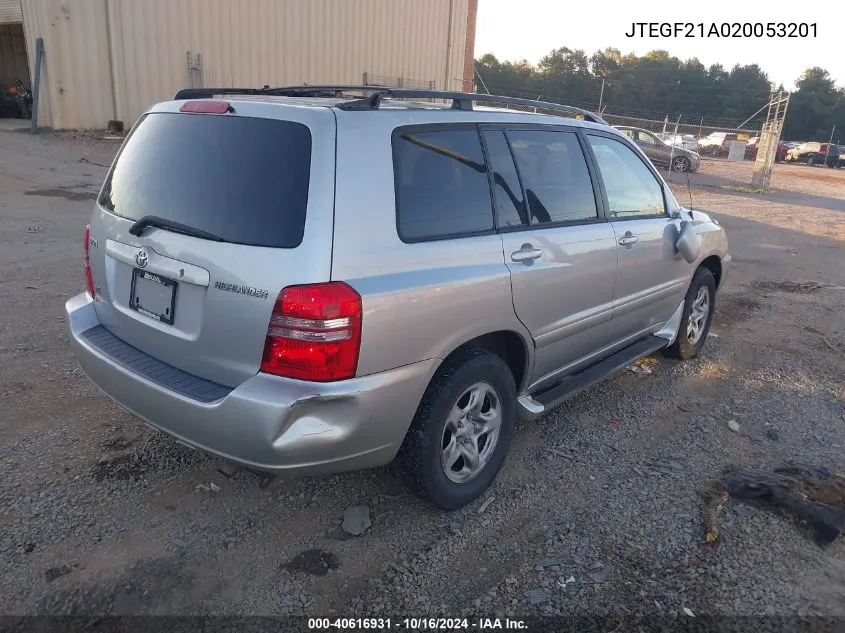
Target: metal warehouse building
x,y
109,60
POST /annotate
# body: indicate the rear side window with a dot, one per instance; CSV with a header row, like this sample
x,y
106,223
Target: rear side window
x,y
441,184
555,176
242,179
632,190
507,192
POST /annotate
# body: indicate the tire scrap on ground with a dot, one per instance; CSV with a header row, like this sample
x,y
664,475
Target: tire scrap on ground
x,y
812,494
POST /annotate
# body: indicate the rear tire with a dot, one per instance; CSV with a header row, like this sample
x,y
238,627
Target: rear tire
x,y
447,426
697,316
811,161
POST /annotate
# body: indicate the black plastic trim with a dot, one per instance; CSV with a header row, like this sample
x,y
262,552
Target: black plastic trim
x,y
152,369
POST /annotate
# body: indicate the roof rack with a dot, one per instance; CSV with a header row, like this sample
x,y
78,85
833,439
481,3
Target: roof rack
x,y
285,91
460,100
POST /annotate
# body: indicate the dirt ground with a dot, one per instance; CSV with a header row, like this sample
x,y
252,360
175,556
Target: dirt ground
x,y
100,515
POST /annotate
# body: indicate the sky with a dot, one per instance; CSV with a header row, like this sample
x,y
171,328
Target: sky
x,y
528,29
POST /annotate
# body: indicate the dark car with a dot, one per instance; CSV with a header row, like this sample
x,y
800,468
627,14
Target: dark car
x,y
835,156
660,152
812,153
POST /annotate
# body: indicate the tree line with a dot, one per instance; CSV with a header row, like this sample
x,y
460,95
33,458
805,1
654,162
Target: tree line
x,y
657,85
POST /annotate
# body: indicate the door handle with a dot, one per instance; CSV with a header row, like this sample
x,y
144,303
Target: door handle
x,y
526,254
628,239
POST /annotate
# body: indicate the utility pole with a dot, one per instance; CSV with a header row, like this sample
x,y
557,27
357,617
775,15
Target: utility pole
x,y
829,143
480,78
601,94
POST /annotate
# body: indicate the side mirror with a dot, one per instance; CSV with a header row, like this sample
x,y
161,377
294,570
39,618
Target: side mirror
x,y
688,243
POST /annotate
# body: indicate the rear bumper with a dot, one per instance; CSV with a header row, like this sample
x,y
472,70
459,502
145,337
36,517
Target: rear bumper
x,y
267,423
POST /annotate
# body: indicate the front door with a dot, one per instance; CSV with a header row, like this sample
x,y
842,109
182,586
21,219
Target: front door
x,y
656,150
560,252
651,277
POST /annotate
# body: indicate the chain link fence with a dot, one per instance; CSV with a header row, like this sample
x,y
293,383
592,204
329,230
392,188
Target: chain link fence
x,y
709,152
710,142
706,152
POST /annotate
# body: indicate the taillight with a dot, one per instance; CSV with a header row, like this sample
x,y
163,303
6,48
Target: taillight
x,y
89,278
314,333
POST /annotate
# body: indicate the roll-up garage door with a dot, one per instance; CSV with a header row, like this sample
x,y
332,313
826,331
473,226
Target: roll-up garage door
x,y
10,12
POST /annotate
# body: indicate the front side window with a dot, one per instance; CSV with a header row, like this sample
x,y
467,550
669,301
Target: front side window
x,y
555,176
632,190
441,184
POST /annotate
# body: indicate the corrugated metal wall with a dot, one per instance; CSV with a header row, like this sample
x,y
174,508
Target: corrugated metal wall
x,y
76,85
111,59
10,11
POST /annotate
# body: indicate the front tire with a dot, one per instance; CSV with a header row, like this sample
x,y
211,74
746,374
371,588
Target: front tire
x,y
461,432
697,316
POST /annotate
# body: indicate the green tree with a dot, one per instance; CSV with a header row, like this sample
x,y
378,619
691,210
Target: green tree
x,y
815,106
654,85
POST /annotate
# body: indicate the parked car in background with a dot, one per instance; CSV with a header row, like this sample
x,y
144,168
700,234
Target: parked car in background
x,y
812,153
753,146
687,141
716,143
660,152
835,156
359,311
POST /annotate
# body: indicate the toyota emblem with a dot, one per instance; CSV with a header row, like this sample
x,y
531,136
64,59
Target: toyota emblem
x,y
142,258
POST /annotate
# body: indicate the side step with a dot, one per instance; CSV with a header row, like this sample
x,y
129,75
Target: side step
x,y
538,403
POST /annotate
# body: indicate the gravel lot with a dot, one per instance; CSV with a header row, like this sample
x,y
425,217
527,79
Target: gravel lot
x,y
100,515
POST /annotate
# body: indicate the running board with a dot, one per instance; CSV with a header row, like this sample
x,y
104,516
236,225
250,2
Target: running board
x,y
536,404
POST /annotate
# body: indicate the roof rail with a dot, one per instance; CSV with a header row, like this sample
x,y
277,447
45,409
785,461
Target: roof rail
x,y
286,91
460,100
464,101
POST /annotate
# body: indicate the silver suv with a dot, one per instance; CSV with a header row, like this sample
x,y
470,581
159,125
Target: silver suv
x,y
313,280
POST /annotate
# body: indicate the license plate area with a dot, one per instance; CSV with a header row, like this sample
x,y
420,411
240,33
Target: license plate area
x,y
153,296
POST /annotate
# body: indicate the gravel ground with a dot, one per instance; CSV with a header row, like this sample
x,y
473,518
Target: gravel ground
x,y
100,515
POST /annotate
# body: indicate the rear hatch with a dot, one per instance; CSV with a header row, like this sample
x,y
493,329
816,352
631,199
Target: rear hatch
x,y
203,219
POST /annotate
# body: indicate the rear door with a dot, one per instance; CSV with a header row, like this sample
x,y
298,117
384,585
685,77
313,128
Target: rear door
x,y
560,251
238,205
652,277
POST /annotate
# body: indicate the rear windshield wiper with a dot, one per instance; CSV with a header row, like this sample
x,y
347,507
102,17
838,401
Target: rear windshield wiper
x,y
169,225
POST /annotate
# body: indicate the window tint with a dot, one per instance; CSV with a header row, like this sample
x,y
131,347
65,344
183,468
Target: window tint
x,y
441,184
243,179
507,192
555,176
632,189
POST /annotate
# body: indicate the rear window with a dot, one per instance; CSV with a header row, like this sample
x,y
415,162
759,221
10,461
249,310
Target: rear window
x,y
242,179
